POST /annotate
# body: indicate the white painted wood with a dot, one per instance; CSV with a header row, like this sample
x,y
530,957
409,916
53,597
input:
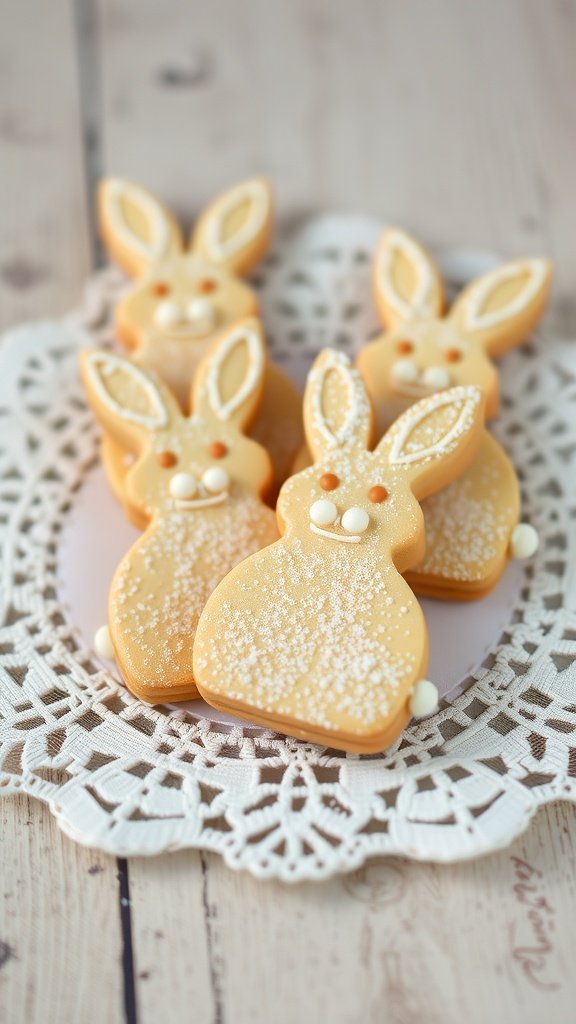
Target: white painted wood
x,y
43,238
173,952
60,942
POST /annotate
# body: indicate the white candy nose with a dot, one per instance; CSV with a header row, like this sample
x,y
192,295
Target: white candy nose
x,y
436,377
216,479
323,512
355,520
201,311
168,314
183,486
405,371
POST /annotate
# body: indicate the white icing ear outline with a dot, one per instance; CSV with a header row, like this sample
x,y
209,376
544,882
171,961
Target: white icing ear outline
x,y
219,251
252,339
423,302
478,294
117,189
108,363
394,443
353,430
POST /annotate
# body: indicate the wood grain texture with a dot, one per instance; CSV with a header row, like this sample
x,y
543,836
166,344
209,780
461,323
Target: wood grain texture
x,y
43,236
60,941
456,120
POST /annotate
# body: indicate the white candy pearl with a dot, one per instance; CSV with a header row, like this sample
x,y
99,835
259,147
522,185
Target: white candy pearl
x,y
216,479
103,643
436,377
201,311
405,371
355,520
168,314
424,699
323,512
183,486
524,541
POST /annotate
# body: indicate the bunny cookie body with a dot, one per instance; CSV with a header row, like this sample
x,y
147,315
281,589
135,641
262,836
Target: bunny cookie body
x,y
472,527
197,482
319,635
183,298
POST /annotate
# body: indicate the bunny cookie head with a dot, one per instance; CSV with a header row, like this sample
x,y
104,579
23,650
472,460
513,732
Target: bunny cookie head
x,y
194,463
183,296
365,499
423,351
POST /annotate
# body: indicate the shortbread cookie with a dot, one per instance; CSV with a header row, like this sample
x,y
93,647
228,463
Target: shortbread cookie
x,y
472,528
185,295
197,482
319,636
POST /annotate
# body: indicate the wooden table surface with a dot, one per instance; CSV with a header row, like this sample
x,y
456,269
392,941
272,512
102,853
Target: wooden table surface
x,y
460,121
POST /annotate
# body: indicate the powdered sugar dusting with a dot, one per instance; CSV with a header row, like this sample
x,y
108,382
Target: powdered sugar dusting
x,y
162,585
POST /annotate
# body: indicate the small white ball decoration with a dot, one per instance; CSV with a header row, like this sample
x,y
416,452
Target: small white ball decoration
x,y
201,311
103,643
424,699
168,314
405,371
355,520
216,479
524,541
183,486
436,377
323,512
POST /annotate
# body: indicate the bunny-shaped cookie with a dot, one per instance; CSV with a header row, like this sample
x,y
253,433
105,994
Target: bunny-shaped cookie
x,y
183,296
472,527
319,635
198,480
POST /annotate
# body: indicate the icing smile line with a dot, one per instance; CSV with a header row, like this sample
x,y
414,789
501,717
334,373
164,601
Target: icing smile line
x,y
217,499
353,538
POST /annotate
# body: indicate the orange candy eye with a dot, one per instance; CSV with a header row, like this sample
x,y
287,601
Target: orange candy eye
x,y
453,355
207,285
217,450
161,288
167,459
377,494
329,481
404,348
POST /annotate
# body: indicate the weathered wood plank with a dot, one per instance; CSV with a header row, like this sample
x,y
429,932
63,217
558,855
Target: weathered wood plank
x,y
172,939
43,238
60,941
60,937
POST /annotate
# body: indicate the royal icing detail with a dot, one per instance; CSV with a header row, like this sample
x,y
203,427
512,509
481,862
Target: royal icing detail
x,y
104,364
242,336
420,302
256,194
480,292
357,401
118,190
467,398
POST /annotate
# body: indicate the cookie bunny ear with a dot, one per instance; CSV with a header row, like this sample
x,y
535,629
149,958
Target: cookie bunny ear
x,y
502,307
136,228
129,403
435,439
234,231
407,282
229,381
337,410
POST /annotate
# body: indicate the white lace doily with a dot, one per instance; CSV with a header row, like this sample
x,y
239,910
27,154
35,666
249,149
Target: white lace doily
x,y
132,779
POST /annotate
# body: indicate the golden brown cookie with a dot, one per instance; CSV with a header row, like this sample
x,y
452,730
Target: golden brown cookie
x,y
197,483
184,296
319,636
